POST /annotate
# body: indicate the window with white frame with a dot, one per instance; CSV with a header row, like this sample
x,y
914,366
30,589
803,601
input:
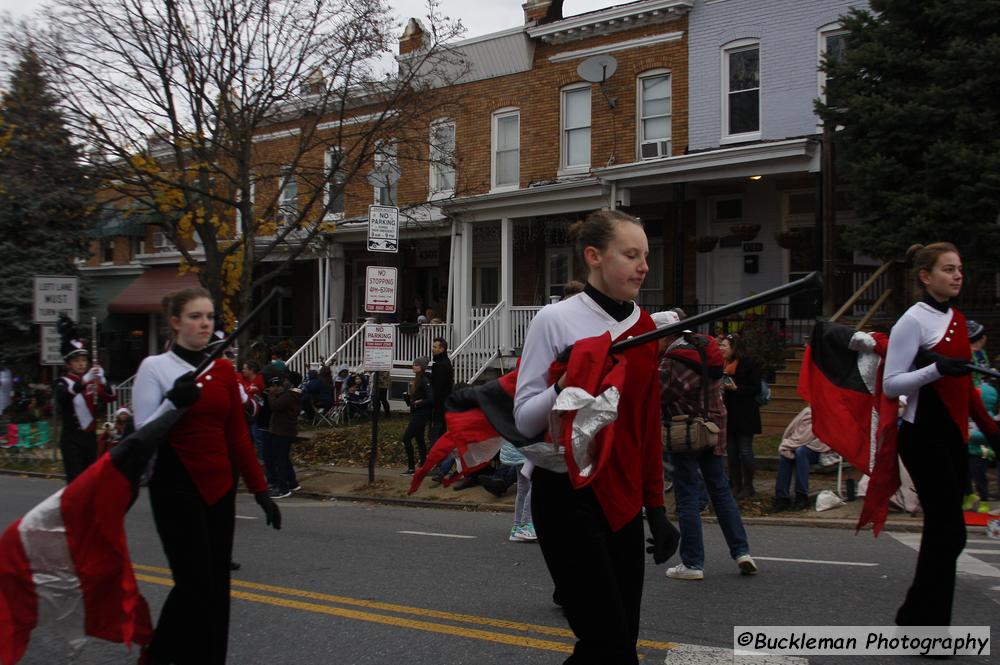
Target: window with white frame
x,y
741,91
654,109
288,197
108,250
333,195
576,127
442,158
387,163
506,149
832,45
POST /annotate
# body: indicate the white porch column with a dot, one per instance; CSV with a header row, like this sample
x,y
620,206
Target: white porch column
x,y
336,285
464,282
506,282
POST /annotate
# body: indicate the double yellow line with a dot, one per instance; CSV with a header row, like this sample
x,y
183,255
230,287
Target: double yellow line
x,y
298,599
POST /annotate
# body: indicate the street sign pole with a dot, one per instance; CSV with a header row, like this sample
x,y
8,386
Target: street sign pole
x,y
374,453
379,349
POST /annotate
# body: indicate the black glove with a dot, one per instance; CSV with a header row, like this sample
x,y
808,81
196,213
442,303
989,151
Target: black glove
x,y
271,513
185,391
952,366
665,538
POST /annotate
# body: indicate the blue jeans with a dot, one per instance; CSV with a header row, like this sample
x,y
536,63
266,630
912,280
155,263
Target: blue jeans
x,y
804,459
686,486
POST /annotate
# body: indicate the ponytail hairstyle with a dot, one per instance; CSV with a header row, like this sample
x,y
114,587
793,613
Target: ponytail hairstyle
x,y
597,230
925,257
173,304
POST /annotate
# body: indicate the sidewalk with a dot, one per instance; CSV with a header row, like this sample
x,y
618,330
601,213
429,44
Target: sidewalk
x,y
390,487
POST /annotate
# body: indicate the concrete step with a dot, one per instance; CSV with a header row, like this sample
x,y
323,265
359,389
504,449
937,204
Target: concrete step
x,y
784,405
778,419
784,390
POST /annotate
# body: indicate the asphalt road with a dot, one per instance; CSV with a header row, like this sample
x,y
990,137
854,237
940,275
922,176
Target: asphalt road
x,y
358,583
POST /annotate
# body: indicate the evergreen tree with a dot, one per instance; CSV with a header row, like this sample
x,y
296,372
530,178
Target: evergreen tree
x,y
919,115
45,205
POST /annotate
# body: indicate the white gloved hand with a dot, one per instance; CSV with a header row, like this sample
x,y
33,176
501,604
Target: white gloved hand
x,y
94,375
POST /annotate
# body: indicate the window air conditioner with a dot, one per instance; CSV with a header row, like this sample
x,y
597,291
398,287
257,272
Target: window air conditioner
x,y
654,149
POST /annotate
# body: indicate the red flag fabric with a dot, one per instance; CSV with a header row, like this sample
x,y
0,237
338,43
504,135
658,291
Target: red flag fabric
x,y
841,378
65,565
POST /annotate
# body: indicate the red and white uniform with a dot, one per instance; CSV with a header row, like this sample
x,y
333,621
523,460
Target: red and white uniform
x,y
212,436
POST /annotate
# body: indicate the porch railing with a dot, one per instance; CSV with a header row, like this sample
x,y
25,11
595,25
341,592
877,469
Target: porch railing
x,y
412,341
520,318
473,356
352,350
316,348
123,397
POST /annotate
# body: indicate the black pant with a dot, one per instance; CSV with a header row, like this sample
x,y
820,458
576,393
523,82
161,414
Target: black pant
x,y
935,455
598,573
198,541
382,399
418,423
79,450
278,460
438,426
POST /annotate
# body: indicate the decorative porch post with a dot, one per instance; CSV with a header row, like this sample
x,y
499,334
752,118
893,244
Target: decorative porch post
x,y
465,283
506,283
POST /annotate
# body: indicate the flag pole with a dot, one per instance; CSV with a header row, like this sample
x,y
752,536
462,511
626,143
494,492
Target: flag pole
x,y
220,347
812,281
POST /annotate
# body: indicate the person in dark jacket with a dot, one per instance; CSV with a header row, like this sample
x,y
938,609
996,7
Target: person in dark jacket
x,y
317,394
284,399
740,389
443,381
420,399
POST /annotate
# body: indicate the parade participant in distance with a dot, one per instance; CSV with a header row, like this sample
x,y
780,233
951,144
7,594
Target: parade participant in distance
x,y
927,362
592,537
193,487
79,394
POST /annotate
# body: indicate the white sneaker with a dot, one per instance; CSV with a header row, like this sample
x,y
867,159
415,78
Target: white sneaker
x,y
746,564
682,572
528,532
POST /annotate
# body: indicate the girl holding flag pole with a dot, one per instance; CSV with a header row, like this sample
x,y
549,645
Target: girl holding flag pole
x,y
928,362
193,487
588,496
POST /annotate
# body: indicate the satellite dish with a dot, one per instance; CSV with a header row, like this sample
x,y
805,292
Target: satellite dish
x,y
597,69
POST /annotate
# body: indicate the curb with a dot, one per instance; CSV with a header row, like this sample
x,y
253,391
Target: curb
x,y
829,523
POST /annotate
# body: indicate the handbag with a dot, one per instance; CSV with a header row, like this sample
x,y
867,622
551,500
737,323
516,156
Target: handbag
x,y
692,434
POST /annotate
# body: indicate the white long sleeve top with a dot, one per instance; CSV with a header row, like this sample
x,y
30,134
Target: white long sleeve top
x,y
920,327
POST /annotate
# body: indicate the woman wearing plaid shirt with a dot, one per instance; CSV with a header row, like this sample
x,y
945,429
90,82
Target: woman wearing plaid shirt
x,y
681,370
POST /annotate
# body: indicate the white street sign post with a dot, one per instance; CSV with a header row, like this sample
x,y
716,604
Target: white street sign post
x,y
51,345
383,229
380,343
380,290
55,295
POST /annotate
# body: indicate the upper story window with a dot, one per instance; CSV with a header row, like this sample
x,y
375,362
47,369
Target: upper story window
x,y
576,128
288,197
387,163
741,91
333,193
506,149
832,45
442,158
108,250
654,122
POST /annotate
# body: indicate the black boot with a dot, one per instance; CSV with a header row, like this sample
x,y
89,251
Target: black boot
x,y
747,489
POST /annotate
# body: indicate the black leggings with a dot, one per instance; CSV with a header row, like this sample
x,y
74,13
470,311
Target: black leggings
x,y
598,573
198,541
935,455
79,450
416,428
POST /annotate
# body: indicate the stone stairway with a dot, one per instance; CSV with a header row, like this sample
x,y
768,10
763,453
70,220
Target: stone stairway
x,y
785,402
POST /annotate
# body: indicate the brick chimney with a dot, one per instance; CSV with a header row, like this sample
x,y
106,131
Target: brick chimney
x,y
537,12
413,37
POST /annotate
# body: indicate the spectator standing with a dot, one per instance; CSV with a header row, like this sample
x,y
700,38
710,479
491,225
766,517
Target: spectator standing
x,y
691,386
442,382
741,388
420,399
284,399
523,530
382,385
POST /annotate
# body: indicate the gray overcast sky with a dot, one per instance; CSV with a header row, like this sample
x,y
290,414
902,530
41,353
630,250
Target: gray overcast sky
x,y
479,16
